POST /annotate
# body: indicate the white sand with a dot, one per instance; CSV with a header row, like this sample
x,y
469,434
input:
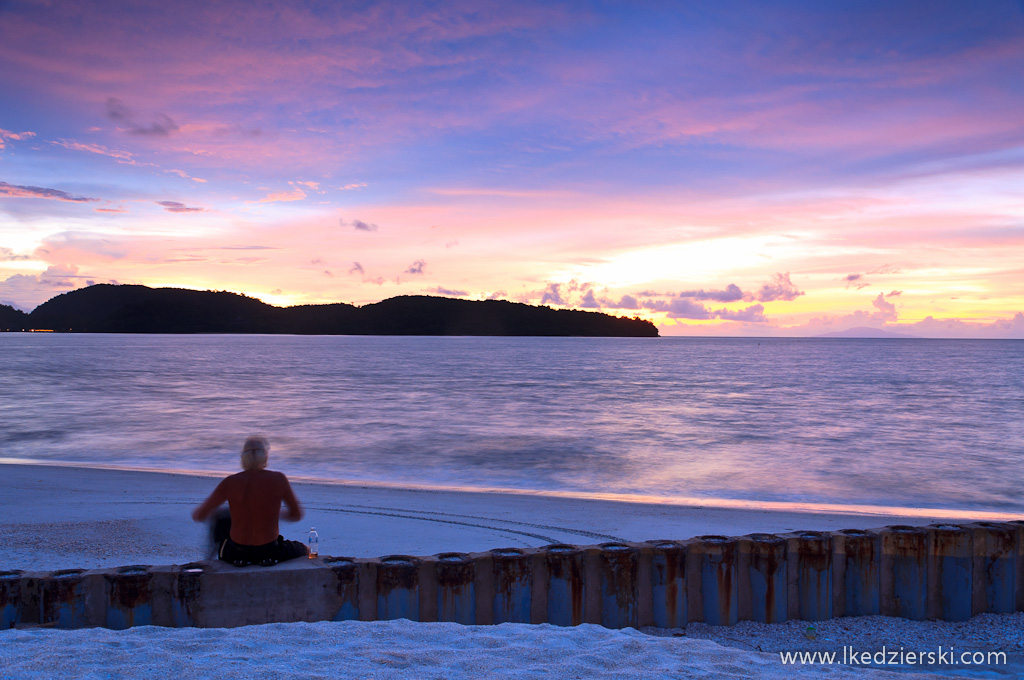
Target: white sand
x,y
63,517
395,649
60,517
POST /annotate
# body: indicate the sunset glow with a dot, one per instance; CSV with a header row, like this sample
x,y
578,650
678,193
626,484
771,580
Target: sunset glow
x,y
743,169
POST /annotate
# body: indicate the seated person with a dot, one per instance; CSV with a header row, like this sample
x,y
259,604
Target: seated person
x,y
254,497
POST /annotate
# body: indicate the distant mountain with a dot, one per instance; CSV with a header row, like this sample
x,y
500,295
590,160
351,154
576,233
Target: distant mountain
x,y
864,332
107,308
12,319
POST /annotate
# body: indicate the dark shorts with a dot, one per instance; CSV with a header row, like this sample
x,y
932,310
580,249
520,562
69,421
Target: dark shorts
x,y
264,555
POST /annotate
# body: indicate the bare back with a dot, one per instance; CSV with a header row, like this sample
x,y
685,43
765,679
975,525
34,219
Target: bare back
x,y
255,498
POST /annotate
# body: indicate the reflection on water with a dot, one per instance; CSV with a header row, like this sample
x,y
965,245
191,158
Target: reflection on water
x,y
928,423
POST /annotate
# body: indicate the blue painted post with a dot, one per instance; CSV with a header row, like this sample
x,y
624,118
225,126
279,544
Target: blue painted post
x,y
855,564
513,585
398,592
764,556
62,600
1018,526
668,584
809,554
566,584
188,588
618,567
346,588
10,599
950,559
129,597
456,594
904,577
995,567
715,562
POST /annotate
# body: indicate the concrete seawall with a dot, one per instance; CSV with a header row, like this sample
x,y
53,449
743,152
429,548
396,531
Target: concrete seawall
x,y
942,571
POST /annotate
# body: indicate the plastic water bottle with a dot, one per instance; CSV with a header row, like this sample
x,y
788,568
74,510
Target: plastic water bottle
x,y
314,543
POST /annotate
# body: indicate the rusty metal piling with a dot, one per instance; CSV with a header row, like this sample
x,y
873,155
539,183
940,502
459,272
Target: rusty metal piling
x,y
10,598
618,566
1018,527
668,584
513,586
855,573
950,562
809,558
995,567
763,581
566,585
904,577
456,592
346,587
715,584
129,597
398,586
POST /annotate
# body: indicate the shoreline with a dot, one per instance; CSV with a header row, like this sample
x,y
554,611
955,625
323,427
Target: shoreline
x,y
59,516
888,511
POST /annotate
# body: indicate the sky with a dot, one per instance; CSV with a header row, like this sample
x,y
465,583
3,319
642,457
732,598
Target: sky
x,y
720,168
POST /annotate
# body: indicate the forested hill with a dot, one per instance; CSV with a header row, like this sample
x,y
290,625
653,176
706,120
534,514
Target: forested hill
x,y
12,319
106,308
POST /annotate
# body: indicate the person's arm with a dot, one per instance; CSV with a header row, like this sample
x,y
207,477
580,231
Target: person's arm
x,y
293,511
218,497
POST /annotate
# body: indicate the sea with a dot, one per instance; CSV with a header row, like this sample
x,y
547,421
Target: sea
x,y
898,424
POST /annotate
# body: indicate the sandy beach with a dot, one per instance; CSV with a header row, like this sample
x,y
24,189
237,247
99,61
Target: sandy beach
x,y
58,517
62,517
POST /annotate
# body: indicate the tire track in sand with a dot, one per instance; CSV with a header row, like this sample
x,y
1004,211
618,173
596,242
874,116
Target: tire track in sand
x,y
457,519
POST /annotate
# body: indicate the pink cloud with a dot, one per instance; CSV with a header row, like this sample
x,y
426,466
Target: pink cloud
x,y
16,136
295,194
81,248
27,291
120,156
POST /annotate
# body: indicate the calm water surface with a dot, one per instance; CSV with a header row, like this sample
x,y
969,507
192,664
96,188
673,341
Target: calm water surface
x,y
906,423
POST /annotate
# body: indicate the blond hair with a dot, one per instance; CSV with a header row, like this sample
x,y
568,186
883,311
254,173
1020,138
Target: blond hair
x,y
254,453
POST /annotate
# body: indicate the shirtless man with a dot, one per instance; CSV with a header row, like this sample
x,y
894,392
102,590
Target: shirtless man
x,y
255,496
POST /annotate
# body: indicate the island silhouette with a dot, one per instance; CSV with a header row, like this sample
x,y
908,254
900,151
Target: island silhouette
x,y
112,308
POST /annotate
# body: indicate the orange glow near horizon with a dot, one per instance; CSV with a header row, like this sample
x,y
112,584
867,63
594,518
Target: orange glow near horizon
x,y
513,151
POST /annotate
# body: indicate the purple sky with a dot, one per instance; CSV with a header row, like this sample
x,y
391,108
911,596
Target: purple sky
x,y
719,168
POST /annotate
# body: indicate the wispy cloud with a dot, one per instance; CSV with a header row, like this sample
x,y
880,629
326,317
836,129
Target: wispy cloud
x,y
175,207
185,175
17,136
8,255
99,149
18,191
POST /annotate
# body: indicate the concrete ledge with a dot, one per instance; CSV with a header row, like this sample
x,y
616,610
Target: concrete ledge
x,y
943,571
